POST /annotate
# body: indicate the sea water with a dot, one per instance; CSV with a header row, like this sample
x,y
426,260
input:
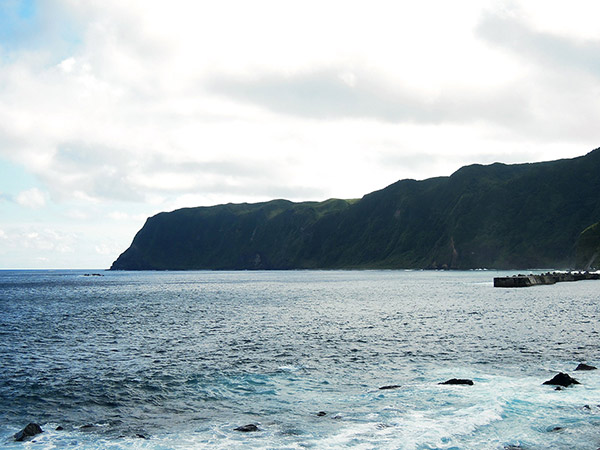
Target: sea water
x,y
178,360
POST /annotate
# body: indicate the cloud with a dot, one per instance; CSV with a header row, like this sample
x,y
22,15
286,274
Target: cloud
x,y
32,198
117,110
149,102
76,214
26,238
104,249
560,75
341,94
550,49
125,216
102,173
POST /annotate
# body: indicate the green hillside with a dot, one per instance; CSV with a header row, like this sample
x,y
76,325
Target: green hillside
x,y
495,216
588,248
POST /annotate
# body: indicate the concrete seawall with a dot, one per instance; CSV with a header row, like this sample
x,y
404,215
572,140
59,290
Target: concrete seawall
x,y
544,278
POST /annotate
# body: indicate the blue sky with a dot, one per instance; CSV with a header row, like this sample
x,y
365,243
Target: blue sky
x,y
113,111
16,17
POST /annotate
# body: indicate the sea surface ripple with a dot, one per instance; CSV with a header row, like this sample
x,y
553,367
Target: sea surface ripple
x,y
161,360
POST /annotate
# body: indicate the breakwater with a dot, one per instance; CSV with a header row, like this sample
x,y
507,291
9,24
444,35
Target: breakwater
x,y
544,278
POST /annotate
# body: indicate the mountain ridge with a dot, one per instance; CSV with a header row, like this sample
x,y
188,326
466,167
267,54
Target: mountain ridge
x,y
504,216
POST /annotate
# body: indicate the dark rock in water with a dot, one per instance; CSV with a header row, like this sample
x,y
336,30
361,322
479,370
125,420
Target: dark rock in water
x,y
59,428
30,430
247,428
141,436
562,379
87,426
391,386
558,388
458,381
554,429
583,366
321,413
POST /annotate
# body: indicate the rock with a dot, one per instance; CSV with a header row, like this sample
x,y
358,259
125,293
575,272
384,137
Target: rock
x,y
59,428
30,430
391,386
583,366
247,428
140,436
321,413
562,379
458,381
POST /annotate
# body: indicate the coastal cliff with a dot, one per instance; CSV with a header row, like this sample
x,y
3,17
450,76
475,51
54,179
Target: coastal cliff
x,y
588,247
493,216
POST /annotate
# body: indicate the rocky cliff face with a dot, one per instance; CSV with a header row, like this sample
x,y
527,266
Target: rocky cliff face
x,y
495,216
588,248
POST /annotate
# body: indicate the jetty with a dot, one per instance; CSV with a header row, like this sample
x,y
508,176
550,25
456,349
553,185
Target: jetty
x,y
543,278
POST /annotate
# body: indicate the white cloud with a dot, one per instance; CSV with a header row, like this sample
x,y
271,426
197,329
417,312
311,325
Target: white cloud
x,y
26,245
45,239
67,65
169,104
77,214
32,198
118,215
141,86
104,249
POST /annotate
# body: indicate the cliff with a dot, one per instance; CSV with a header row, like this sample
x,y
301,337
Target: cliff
x,y
588,248
494,216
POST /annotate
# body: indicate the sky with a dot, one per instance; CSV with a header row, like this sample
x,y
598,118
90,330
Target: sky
x,y
113,111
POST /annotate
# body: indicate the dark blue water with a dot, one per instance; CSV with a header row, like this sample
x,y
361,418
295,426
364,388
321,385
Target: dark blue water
x,y
183,358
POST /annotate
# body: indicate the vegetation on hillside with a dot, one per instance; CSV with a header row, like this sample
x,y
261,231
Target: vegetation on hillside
x,y
495,216
588,248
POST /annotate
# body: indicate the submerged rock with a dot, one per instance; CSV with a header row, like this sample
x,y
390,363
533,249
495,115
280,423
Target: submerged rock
x,y
583,366
247,428
459,381
30,430
391,386
321,413
562,379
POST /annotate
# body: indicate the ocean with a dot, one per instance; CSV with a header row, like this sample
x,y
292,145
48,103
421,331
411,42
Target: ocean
x,y
179,360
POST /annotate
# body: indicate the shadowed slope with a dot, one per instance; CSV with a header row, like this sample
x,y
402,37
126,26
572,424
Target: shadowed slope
x,y
494,216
